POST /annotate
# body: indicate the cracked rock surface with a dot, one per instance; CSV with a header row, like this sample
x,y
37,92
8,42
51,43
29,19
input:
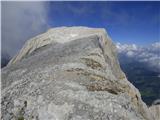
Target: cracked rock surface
x,y
155,110
69,73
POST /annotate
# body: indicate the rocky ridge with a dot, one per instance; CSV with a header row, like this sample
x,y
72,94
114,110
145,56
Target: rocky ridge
x,y
69,73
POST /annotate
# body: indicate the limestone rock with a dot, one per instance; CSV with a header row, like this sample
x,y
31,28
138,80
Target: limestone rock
x,y
155,110
69,73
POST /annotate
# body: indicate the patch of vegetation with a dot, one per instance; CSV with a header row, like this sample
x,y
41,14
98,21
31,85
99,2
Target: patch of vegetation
x,y
22,111
21,118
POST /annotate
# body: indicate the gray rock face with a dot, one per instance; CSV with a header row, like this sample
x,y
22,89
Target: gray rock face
x,y
155,110
69,74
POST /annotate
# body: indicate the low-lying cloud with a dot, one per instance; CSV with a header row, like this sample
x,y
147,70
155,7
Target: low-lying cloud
x,y
20,22
149,54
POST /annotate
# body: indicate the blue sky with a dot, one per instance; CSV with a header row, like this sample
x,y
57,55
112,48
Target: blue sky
x,y
125,22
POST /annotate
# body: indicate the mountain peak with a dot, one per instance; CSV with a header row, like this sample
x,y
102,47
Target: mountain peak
x,y
56,35
77,79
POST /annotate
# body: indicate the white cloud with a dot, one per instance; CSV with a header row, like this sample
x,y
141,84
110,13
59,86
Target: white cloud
x,y
21,21
126,47
156,45
130,53
148,54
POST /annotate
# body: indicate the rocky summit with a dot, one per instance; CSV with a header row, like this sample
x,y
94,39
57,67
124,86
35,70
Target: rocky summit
x,y
69,73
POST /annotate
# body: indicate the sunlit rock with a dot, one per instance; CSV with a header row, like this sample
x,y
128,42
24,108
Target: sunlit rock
x,y
69,73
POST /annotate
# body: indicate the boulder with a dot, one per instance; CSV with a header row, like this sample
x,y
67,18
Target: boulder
x,y
69,73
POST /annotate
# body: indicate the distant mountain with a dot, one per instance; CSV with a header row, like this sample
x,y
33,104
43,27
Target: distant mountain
x,y
147,80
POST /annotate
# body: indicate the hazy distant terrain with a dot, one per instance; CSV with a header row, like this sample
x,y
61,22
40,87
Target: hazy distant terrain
x,y
142,67
144,78
4,59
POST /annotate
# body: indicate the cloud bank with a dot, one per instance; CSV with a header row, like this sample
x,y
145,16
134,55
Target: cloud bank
x,y
20,22
149,54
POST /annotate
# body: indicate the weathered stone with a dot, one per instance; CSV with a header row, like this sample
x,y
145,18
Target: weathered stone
x,y
69,73
155,110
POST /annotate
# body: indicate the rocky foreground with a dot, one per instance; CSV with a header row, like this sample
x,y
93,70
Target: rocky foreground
x,y
69,73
